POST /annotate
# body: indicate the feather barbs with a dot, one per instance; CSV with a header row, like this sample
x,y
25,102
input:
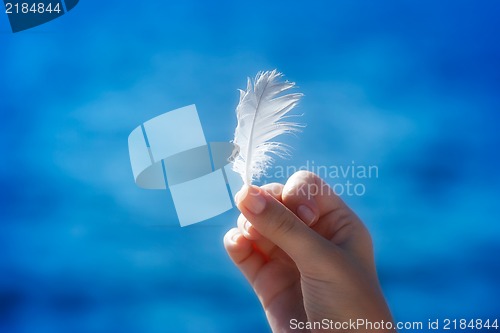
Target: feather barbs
x,y
261,114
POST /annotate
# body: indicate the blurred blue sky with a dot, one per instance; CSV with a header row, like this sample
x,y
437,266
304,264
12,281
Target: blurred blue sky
x,y
409,86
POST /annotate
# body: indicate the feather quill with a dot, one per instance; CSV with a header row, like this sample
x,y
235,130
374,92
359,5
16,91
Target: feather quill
x,y
261,114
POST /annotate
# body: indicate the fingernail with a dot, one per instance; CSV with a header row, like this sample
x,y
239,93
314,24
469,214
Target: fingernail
x,y
247,225
235,236
306,214
253,200
241,194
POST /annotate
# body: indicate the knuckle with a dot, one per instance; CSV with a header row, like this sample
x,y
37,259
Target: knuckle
x,y
308,177
275,189
301,183
305,174
282,222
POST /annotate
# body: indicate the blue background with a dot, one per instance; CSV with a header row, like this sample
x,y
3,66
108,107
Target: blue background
x,y
409,86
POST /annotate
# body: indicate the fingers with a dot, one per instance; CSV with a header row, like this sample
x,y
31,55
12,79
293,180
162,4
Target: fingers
x,y
247,229
245,226
307,195
275,189
333,219
279,225
243,254
313,200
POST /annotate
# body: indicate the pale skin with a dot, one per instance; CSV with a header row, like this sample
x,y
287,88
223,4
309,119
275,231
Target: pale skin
x,y
306,254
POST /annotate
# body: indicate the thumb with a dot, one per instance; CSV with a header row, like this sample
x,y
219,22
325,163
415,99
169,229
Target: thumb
x,y
277,223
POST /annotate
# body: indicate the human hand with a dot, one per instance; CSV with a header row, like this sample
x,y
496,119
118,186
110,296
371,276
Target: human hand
x,y
308,257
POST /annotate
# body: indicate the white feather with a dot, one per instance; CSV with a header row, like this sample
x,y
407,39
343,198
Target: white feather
x,y
261,113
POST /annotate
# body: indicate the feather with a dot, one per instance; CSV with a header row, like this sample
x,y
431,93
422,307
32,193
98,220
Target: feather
x,y
261,112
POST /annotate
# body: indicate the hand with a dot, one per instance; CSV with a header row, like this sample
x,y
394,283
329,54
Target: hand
x,y
307,256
